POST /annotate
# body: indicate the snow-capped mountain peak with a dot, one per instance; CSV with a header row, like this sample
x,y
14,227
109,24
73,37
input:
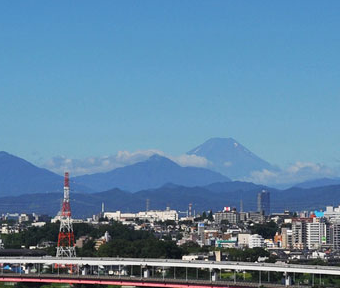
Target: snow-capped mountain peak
x,y
230,158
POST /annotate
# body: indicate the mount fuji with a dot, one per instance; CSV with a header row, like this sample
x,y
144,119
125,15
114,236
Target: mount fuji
x,y
229,157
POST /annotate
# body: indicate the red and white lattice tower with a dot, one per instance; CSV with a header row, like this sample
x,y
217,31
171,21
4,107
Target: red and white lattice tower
x,y
66,245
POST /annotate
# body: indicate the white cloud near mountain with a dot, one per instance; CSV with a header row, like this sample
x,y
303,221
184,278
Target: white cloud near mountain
x,y
293,174
190,160
91,165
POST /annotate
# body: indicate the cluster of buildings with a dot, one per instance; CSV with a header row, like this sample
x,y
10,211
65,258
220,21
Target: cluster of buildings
x,y
230,228
24,217
307,231
313,231
16,222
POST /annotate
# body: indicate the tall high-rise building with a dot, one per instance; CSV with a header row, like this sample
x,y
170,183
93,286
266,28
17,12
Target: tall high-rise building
x,y
263,202
333,234
299,231
316,233
287,238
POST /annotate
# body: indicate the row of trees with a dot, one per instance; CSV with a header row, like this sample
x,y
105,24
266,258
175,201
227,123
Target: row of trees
x,y
126,242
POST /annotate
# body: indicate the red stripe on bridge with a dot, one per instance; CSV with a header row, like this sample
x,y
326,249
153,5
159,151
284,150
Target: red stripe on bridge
x,y
109,282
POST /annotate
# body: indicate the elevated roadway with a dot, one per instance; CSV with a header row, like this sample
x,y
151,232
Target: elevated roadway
x,y
211,265
150,272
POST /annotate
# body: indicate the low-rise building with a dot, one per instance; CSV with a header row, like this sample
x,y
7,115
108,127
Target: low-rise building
x,y
231,217
102,240
151,216
256,240
243,240
158,215
257,217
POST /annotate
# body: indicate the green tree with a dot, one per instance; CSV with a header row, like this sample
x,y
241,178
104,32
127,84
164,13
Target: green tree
x,y
266,230
193,247
87,250
143,248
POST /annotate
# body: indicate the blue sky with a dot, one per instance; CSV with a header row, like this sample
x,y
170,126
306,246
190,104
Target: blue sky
x,y
90,78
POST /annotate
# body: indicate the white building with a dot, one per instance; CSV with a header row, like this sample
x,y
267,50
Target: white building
x,y
58,218
243,239
316,234
6,229
157,215
119,216
332,212
256,240
151,216
38,224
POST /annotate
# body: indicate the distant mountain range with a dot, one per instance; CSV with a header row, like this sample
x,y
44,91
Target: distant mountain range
x,y
230,158
152,173
214,196
225,156
319,183
17,176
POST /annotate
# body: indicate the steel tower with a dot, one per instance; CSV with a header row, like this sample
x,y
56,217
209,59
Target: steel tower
x,y
66,244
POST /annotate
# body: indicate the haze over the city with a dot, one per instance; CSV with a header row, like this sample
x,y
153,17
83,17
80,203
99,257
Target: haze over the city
x,y
92,87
